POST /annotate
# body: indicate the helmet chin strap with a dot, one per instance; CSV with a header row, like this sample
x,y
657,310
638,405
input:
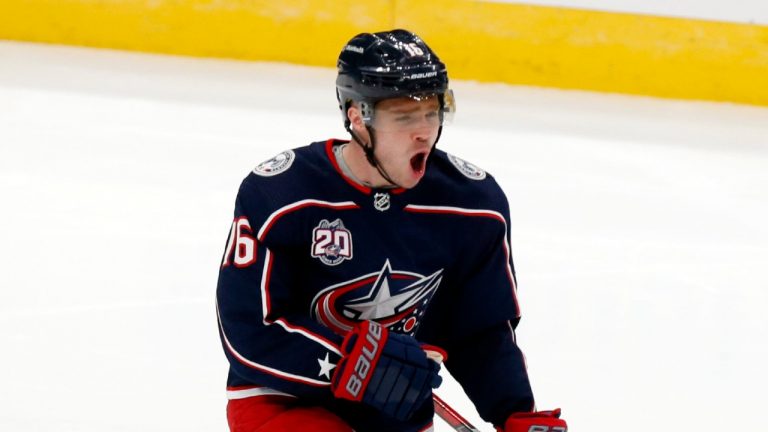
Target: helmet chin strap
x,y
370,149
370,155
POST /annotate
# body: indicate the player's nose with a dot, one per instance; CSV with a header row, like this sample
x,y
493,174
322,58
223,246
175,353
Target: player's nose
x,y
421,135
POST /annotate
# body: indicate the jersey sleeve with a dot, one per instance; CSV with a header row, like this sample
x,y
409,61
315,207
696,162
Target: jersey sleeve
x,y
491,369
483,354
267,339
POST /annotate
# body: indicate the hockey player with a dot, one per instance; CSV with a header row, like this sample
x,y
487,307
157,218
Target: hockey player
x,y
353,267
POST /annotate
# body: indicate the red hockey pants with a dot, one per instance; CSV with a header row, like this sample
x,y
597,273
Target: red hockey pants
x,y
280,414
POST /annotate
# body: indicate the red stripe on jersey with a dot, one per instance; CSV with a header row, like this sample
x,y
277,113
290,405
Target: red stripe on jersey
x,y
412,208
260,367
265,278
291,328
314,336
455,211
298,205
335,163
354,184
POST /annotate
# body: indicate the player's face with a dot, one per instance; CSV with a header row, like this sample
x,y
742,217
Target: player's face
x,y
406,129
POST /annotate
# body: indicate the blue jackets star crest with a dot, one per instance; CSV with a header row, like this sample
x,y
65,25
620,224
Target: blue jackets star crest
x,y
395,299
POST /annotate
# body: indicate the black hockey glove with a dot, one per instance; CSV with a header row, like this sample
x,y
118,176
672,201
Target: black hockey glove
x,y
388,371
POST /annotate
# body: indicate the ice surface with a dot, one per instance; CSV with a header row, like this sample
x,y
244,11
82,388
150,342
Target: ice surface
x,y
639,234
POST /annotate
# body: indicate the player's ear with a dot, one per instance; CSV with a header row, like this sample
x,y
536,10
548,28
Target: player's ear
x,y
355,118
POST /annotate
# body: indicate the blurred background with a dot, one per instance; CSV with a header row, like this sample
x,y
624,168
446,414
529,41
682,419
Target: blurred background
x,y
631,138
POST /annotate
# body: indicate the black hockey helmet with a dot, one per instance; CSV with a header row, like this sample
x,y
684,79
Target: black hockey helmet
x,y
385,65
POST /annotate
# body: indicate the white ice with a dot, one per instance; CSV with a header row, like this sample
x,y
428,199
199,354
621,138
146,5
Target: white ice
x,y
639,234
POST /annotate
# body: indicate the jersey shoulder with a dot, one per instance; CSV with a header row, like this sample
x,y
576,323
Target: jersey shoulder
x,y
283,179
464,183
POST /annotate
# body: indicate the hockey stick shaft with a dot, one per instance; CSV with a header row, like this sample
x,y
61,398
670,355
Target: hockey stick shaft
x,y
450,416
443,410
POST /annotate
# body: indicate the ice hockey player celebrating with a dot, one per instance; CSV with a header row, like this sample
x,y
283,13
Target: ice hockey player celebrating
x,y
348,261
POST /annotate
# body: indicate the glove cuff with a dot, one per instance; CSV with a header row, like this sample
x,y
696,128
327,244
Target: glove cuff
x,y
544,421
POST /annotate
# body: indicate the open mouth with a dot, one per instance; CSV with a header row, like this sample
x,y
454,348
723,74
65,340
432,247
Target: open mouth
x,y
419,162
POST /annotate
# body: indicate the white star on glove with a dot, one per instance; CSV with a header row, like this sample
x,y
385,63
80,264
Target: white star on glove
x,y
325,367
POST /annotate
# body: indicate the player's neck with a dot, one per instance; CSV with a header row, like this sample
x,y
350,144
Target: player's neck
x,y
363,172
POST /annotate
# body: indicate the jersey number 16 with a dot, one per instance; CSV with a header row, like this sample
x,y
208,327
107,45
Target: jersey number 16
x,y
241,246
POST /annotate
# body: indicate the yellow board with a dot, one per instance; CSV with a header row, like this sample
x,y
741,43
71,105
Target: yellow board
x,y
305,32
580,49
484,41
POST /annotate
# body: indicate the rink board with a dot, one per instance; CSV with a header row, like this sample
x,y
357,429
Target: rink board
x,y
483,41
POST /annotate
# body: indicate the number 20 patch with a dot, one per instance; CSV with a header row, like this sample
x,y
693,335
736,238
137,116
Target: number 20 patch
x,y
331,242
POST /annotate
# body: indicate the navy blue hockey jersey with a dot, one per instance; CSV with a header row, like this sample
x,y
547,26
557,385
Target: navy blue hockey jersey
x,y
310,252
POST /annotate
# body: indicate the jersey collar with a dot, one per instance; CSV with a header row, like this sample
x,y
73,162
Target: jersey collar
x,y
332,158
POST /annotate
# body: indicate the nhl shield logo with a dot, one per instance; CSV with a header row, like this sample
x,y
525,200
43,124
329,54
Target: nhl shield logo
x,y
381,201
331,242
396,299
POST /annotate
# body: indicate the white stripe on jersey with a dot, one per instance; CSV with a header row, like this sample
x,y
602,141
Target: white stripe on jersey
x,y
457,210
255,391
474,212
242,359
284,324
263,284
295,329
307,202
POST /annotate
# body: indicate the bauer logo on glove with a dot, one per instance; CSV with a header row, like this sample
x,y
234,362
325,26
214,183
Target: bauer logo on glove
x,y
369,354
388,371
